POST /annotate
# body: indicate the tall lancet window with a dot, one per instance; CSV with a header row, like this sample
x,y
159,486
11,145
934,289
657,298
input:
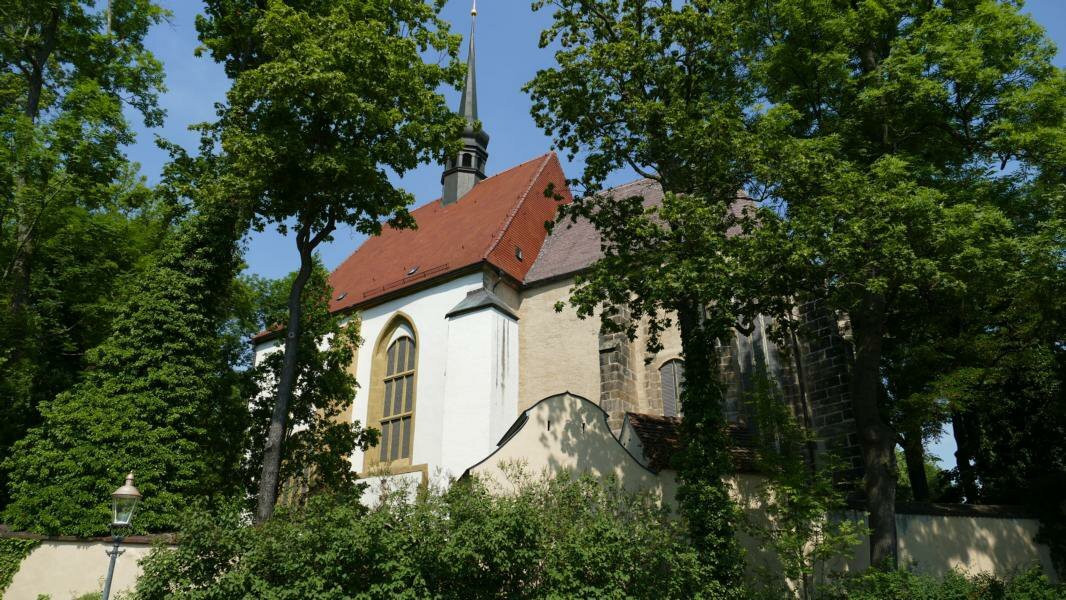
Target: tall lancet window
x,y
672,378
392,395
398,408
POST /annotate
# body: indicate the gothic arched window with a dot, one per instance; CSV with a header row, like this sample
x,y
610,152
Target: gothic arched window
x,y
392,396
672,378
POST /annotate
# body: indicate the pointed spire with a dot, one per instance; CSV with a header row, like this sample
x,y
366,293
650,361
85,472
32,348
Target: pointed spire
x,y
468,103
462,172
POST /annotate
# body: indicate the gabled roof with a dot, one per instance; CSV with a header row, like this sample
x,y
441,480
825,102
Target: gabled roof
x,y
660,438
572,247
501,215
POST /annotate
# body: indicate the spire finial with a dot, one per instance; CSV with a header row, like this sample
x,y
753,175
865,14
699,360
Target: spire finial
x,y
468,167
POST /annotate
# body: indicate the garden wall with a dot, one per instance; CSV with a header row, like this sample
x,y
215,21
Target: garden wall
x,y
65,567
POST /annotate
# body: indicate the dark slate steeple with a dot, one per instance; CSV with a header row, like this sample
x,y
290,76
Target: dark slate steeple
x,y
462,172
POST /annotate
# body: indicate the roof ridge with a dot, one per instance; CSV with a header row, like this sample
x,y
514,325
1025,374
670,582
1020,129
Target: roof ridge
x,y
498,237
634,182
507,170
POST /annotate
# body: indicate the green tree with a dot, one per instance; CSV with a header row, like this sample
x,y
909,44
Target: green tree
x,y
328,98
802,513
160,397
318,439
657,88
75,221
889,124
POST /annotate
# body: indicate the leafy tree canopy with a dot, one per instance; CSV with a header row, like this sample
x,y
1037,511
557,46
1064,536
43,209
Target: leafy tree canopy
x,y
328,99
75,220
160,397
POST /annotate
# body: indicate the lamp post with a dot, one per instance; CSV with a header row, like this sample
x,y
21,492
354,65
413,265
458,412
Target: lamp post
x,y
123,501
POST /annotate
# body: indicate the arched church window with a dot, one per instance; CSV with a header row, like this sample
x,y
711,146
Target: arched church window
x,y
399,402
466,160
672,378
392,395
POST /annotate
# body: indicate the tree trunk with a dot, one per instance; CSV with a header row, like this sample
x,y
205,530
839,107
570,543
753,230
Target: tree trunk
x,y
25,240
704,460
876,438
270,475
964,455
914,454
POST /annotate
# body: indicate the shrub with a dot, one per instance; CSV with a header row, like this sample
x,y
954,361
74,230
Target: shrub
x,y
905,585
560,537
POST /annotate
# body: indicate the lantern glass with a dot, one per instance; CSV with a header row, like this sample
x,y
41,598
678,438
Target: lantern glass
x,y
123,502
122,509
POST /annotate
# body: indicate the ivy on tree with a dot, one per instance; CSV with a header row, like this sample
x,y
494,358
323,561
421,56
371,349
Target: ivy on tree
x,y
319,435
75,219
656,88
161,397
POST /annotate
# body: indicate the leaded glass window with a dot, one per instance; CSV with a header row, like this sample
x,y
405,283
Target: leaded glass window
x,y
398,406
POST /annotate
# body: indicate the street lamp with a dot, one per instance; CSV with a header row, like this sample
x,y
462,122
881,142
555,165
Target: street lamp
x,y
123,502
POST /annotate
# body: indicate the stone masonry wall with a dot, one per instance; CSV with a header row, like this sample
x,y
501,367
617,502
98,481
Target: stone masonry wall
x,y
618,378
825,365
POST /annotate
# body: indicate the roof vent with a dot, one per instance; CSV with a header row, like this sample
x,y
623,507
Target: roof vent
x,y
342,296
412,270
518,253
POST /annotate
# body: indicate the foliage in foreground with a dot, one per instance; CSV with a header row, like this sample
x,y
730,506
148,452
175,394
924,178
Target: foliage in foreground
x,y
905,585
160,399
562,538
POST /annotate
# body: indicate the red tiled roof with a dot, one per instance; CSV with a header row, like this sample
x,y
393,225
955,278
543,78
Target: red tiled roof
x,y
660,438
502,213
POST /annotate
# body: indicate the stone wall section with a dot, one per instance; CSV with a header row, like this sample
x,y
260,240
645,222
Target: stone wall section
x,y
810,368
825,365
618,373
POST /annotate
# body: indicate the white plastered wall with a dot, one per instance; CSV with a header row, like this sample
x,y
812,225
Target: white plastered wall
x,y
481,391
565,432
426,310
62,569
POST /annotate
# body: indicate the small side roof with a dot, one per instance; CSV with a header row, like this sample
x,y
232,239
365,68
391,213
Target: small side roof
x,y
660,439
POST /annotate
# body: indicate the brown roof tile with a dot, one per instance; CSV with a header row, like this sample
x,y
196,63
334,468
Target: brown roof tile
x,y
574,246
660,438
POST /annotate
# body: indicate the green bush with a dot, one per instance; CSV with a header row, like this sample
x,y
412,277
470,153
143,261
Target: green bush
x,y
905,585
562,538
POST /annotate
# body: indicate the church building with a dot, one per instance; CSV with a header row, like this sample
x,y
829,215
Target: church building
x,y
462,339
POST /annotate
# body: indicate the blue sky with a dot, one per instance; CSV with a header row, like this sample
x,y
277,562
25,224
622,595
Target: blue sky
x,y
508,57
